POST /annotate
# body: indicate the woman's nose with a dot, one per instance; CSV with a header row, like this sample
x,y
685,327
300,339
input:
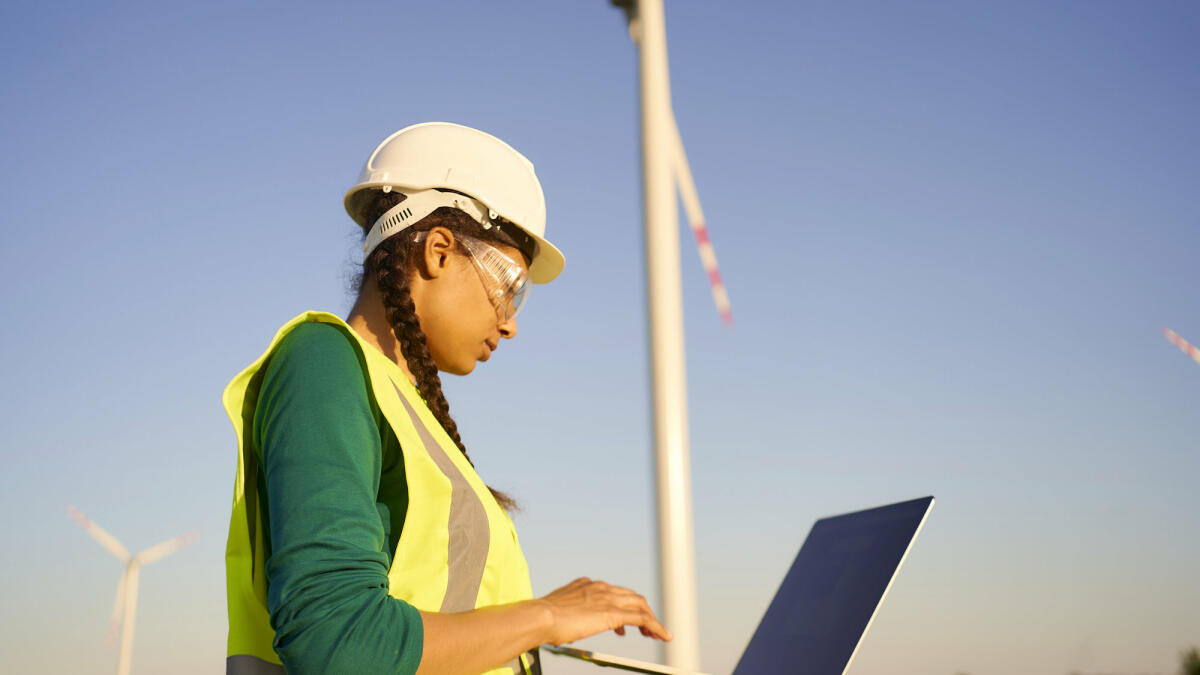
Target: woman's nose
x,y
508,328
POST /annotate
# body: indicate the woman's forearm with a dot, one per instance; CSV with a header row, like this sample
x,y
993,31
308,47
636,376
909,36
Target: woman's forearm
x,y
469,643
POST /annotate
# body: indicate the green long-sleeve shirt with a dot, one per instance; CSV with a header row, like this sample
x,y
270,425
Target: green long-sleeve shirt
x,y
334,500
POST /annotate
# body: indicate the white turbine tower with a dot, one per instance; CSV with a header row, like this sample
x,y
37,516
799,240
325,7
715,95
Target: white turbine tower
x,y
125,606
664,170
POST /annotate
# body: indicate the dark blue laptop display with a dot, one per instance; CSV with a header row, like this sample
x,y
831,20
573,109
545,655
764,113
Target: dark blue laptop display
x,y
830,595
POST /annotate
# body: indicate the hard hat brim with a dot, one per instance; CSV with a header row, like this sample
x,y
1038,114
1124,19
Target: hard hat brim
x,y
547,262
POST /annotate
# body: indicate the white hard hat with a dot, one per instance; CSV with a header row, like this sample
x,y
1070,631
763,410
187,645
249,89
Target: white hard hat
x,y
497,180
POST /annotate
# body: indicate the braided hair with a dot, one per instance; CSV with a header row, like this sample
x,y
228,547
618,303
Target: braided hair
x,y
389,266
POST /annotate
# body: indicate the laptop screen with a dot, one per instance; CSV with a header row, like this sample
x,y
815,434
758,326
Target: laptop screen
x,y
828,598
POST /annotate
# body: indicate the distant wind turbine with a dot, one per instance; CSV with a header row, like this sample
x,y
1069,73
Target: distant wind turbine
x,y
125,606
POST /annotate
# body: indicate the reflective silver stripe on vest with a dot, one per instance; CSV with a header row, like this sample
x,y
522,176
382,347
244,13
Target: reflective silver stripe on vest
x,y
244,664
470,533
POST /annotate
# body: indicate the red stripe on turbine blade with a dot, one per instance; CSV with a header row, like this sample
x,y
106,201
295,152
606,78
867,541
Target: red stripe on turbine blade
x,y
700,231
1184,346
77,516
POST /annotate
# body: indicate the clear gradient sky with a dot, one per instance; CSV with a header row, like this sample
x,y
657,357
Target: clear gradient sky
x,y
951,233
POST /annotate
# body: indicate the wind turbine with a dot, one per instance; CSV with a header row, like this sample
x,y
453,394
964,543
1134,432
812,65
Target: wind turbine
x,y
664,170
125,606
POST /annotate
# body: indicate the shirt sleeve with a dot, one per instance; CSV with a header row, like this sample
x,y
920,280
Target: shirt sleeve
x,y
321,458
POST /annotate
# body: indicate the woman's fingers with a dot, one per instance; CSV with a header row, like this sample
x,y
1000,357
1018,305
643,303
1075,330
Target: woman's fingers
x,y
646,622
637,613
657,630
584,607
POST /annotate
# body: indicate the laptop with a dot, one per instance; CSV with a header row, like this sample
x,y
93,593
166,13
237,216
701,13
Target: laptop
x,y
827,601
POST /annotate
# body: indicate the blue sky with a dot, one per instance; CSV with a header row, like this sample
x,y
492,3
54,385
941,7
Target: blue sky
x,y
951,234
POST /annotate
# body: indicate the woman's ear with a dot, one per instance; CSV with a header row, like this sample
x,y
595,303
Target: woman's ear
x,y
436,252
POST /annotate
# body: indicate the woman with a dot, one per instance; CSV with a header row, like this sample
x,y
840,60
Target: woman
x,y
361,539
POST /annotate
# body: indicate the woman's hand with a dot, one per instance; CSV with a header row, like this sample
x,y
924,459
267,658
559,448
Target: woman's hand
x,y
585,607
458,643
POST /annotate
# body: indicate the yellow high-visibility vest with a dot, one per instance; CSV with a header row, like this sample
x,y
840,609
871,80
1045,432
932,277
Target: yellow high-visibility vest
x,y
458,549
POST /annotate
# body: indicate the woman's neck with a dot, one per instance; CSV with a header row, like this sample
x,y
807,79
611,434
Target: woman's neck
x,y
369,320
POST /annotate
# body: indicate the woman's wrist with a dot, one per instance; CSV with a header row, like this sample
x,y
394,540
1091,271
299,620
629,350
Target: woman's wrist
x,y
539,616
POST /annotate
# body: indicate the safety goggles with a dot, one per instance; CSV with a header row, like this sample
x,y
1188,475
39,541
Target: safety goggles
x,y
505,280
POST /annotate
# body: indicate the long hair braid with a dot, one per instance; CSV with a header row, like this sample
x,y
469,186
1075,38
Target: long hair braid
x,y
389,264
402,316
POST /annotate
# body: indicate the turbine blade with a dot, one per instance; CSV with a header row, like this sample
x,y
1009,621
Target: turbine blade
x,y
166,548
695,216
1184,346
104,538
114,624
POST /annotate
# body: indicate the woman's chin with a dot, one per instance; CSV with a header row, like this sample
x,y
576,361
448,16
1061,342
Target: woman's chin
x,y
458,368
